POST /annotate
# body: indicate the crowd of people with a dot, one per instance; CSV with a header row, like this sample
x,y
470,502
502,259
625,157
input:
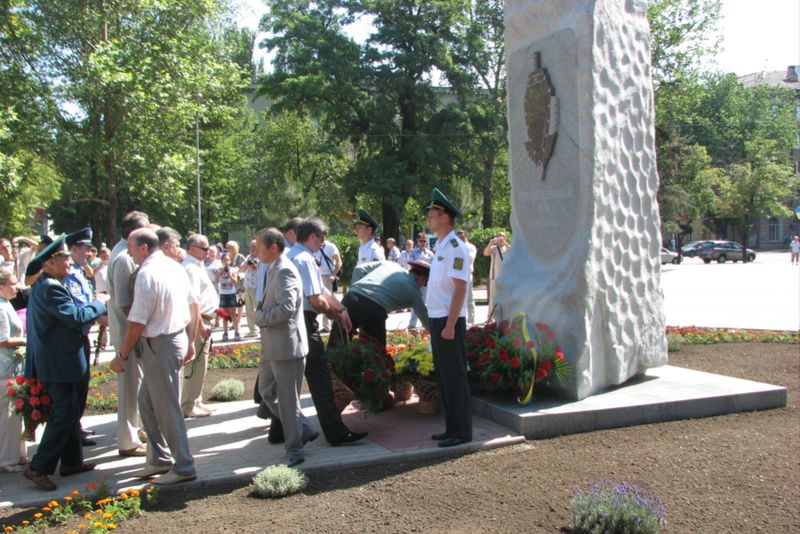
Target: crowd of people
x,y
159,301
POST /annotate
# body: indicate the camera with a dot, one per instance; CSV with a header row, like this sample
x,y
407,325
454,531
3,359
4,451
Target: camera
x,y
251,261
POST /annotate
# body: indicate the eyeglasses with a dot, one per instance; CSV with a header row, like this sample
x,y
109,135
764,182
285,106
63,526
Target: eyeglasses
x,y
422,240
204,249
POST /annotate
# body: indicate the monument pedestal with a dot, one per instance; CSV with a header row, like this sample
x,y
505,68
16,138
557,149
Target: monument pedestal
x,y
582,157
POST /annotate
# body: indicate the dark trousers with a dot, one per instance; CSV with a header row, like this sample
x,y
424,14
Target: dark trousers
x,y
367,316
450,359
60,440
318,377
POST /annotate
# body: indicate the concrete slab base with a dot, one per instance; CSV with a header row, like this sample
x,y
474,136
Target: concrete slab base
x,y
664,393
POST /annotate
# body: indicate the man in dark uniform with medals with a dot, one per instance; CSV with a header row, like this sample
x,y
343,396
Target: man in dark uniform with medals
x,y
446,302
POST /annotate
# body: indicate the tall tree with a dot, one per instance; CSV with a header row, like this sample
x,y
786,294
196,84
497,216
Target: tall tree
x,y
128,79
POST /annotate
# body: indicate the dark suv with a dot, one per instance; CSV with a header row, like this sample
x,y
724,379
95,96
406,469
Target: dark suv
x,y
722,251
690,250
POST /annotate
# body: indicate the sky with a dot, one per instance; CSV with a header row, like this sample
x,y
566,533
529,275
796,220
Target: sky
x,y
757,34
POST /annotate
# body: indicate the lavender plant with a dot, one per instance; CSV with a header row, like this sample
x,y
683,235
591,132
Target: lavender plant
x,y
616,508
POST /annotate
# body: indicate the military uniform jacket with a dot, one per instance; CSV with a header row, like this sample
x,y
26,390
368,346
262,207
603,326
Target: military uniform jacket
x,y
370,251
451,261
55,348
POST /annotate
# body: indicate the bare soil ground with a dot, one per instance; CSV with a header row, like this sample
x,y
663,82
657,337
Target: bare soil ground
x,y
734,473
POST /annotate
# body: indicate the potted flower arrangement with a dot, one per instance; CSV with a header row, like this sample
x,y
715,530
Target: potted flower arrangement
x,y
512,356
29,398
364,367
415,364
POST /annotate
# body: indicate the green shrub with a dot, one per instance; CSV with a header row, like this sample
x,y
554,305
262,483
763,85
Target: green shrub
x,y
229,389
674,342
623,508
348,250
278,481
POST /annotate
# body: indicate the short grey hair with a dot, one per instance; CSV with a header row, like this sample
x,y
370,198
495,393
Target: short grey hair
x,y
272,236
5,274
166,234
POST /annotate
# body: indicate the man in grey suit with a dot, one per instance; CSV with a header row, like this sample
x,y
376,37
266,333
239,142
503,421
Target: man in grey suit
x,y
284,344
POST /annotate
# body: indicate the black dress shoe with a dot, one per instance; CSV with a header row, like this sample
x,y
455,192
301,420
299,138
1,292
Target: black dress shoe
x,y
452,442
310,437
275,431
350,437
440,436
86,442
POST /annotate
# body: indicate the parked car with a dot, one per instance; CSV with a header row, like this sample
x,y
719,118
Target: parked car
x,y
692,249
722,251
667,256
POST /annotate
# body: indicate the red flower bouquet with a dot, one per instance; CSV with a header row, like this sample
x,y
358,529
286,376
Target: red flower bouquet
x,y
364,366
29,399
512,356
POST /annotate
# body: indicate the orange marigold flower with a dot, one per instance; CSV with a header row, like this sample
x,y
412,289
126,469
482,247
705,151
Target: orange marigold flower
x,y
67,499
98,524
87,516
53,504
91,486
108,515
46,509
38,515
76,492
111,526
9,529
26,523
123,496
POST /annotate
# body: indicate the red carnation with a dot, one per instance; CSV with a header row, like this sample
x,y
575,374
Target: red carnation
x,y
10,382
503,356
541,373
19,404
36,415
559,356
46,400
531,345
495,377
547,364
490,343
11,392
486,356
516,342
551,335
515,362
471,354
35,390
369,376
478,366
20,380
34,401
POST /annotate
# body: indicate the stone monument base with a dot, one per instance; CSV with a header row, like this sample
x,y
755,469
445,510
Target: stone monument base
x,y
664,393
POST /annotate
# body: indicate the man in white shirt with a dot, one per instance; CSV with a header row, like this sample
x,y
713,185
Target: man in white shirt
x,y
330,263
447,288
120,291
496,249
473,253
164,308
366,226
194,374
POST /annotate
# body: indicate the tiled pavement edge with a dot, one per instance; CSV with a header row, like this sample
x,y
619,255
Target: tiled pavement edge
x,y
232,444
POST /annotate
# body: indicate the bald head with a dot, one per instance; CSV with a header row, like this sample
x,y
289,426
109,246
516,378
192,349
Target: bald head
x,y
142,242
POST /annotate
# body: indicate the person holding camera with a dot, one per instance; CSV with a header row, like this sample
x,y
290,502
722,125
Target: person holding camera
x,y
251,288
226,280
329,267
496,249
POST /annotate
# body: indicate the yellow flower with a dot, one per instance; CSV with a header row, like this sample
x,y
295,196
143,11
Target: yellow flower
x,y
76,492
53,504
46,509
67,499
123,496
108,515
82,526
87,516
26,523
9,529
134,493
98,524
38,515
111,526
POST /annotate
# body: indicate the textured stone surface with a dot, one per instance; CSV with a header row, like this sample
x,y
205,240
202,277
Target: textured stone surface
x,y
586,240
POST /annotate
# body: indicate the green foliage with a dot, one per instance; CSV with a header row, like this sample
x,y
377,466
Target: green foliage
x,y
348,250
278,481
480,238
620,508
228,390
674,342
682,34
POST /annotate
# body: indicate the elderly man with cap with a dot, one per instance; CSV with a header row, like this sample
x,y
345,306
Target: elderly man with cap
x,y
366,226
77,283
446,301
56,355
379,288
164,313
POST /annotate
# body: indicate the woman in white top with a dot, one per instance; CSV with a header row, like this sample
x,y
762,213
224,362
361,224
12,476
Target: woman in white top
x,y
12,449
226,281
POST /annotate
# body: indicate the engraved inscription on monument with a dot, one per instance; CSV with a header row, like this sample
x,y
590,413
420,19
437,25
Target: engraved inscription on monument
x,y
541,115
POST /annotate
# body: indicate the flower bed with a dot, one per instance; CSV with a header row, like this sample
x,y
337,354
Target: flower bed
x,y
95,510
695,335
243,355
